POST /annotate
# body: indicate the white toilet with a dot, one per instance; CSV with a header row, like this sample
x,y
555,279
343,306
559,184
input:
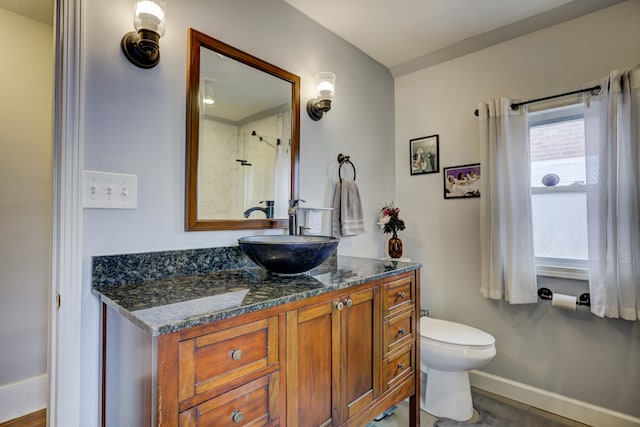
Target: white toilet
x,y
448,350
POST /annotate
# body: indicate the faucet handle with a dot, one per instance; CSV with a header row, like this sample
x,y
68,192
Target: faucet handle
x,y
295,202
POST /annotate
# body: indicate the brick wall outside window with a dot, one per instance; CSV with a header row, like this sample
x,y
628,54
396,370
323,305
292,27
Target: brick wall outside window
x,y
557,140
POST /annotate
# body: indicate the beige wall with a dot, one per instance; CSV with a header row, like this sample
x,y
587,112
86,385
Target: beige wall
x,y
573,354
26,78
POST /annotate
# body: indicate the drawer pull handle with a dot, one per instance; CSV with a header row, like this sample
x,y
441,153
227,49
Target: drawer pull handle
x,y
348,303
339,306
236,417
401,365
402,331
401,295
236,354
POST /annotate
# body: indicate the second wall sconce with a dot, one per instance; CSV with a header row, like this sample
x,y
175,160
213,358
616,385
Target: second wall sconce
x,y
326,90
141,47
208,95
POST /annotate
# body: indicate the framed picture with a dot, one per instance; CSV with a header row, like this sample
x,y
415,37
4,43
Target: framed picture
x,y
461,182
424,155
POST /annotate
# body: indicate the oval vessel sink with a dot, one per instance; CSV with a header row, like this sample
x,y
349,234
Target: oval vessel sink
x,y
287,254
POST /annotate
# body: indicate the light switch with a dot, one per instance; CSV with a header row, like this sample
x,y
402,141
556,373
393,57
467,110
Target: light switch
x,y
109,190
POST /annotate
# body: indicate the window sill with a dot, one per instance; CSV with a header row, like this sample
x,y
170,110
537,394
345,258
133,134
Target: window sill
x,y
562,272
576,187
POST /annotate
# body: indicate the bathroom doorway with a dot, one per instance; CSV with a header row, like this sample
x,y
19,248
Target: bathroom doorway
x,y
26,170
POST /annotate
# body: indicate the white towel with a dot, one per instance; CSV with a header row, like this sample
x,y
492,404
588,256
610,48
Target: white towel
x,y
347,218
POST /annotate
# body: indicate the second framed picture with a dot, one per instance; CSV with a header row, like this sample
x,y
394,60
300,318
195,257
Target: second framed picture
x,y
462,181
424,155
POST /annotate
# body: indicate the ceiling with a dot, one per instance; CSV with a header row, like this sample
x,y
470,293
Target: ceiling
x,y
38,10
408,35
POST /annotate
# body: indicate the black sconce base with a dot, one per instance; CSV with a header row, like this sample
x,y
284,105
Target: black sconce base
x,y
316,109
142,48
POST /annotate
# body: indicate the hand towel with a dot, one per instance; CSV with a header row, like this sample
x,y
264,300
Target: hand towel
x,y
347,218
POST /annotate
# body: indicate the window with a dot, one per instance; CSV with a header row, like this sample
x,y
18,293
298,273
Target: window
x,y
558,197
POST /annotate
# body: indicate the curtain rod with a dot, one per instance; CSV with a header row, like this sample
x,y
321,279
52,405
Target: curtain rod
x,y
595,90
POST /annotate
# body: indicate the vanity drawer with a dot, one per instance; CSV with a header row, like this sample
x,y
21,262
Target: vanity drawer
x,y
398,367
211,361
398,295
253,404
398,330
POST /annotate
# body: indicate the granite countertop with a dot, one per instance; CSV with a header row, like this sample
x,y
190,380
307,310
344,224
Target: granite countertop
x,y
175,303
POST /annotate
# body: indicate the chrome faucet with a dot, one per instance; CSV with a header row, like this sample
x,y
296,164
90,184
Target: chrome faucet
x,y
268,209
293,215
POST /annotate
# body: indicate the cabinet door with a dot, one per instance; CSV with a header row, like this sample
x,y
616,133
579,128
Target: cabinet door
x,y
360,351
310,343
333,359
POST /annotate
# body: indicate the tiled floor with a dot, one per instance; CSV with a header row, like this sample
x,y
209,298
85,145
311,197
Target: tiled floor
x,y
514,414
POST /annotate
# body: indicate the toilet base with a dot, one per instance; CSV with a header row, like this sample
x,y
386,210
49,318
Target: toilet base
x,y
448,395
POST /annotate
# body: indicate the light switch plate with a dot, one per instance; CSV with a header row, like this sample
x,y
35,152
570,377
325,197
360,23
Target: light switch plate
x,y
109,190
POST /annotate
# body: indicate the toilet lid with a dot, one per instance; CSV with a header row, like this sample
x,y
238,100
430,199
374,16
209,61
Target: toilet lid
x,y
454,333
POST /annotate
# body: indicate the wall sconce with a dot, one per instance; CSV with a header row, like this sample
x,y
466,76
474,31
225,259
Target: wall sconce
x,y
326,90
141,47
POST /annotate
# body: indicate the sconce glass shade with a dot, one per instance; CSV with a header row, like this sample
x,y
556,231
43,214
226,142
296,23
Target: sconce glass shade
x,y
141,47
149,15
326,91
208,96
325,85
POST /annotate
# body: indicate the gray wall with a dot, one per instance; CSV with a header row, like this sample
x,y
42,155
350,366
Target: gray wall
x,y
574,354
135,123
25,195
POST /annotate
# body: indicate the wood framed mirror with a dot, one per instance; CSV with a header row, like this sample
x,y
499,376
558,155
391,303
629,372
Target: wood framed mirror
x,y
243,139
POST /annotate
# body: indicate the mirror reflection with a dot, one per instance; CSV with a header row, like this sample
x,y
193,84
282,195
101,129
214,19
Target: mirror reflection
x,y
242,138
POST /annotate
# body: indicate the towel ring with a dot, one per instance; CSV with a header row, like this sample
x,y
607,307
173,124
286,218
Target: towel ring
x,y
342,159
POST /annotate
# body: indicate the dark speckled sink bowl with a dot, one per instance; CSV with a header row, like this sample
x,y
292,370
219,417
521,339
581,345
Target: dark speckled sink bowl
x,y
286,254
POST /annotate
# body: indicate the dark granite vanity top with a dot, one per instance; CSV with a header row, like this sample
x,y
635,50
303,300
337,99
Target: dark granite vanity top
x,y
161,297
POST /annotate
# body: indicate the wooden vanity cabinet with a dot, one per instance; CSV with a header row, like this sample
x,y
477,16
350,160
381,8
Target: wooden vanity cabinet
x,y
338,359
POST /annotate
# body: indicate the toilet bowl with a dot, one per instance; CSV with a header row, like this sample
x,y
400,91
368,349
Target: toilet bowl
x,y
448,350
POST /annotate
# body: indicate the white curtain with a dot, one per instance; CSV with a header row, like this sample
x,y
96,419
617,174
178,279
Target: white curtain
x,y
506,228
612,134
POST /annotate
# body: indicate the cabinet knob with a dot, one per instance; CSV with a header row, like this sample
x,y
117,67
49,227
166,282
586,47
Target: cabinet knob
x,y
402,331
236,354
236,417
339,306
401,365
348,303
401,294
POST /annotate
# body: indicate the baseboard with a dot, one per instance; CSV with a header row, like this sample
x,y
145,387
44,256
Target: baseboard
x,y
24,397
577,410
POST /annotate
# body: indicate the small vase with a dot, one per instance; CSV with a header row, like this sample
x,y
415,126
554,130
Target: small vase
x,y
395,246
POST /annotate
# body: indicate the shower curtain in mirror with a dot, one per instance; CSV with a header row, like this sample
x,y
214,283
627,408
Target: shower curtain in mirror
x,y
282,169
612,138
506,228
